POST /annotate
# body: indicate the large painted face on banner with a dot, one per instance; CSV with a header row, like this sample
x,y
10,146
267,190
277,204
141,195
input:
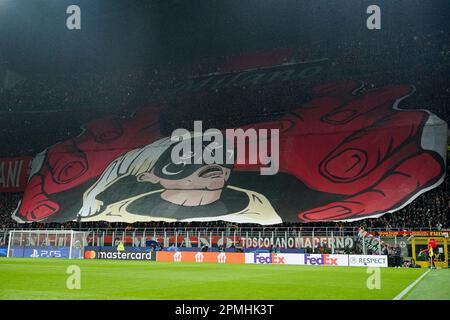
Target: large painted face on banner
x,y
187,183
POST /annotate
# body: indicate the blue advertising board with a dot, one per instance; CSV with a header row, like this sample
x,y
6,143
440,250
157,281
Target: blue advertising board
x,y
44,252
3,251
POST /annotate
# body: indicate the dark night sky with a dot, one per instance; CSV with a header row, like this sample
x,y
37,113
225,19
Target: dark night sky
x,y
128,33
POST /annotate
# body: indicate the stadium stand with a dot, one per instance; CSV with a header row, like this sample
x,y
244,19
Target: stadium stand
x,y
68,102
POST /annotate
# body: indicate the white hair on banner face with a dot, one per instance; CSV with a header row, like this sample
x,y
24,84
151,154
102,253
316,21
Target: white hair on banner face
x,y
132,163
435,135
37,164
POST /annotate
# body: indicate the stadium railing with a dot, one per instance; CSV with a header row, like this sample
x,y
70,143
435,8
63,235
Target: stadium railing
x,y
312,239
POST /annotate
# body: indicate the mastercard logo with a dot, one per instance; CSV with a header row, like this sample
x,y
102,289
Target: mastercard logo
x,y
89,255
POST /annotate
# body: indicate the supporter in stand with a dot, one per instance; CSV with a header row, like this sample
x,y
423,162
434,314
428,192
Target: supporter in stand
x,y
422,59
430,211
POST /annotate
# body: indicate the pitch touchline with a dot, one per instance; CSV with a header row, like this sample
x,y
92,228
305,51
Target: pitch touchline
x,y
408,288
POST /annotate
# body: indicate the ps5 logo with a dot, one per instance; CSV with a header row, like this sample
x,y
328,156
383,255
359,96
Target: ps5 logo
x,y
35,254
46,254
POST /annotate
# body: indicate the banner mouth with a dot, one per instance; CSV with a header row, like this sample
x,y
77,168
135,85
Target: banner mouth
x,y
211,171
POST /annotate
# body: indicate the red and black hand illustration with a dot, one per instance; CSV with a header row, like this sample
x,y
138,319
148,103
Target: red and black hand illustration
x,y
75,161
359,146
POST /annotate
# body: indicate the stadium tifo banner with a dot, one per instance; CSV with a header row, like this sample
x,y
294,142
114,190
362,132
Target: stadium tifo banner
x,y
289,242
337,242
201,257
345,154
120,255
405,233
14,173
191,241
370,242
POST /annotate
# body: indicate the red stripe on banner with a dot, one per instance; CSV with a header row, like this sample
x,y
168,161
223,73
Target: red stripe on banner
x,y
14,173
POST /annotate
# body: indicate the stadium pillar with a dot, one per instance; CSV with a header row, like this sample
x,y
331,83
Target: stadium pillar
x,y
143,239
234,238
312,240
113,238
332,242
364,244
259,236
273,240
165,239
187,241
299,235
246,239
198,240
210,239
286,239
9,242
223,243
71,243
176,238
379,245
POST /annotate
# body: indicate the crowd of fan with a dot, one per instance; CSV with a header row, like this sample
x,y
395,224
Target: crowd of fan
x,y
430,211
69,101
55,109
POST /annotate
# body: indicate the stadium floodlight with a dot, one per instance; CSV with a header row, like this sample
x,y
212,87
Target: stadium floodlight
x,y
67,244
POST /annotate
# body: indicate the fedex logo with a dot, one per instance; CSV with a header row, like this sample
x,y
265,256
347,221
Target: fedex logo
x,y
268,259
323,259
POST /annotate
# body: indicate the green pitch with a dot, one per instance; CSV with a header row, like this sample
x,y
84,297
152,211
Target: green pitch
x,y
46,279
